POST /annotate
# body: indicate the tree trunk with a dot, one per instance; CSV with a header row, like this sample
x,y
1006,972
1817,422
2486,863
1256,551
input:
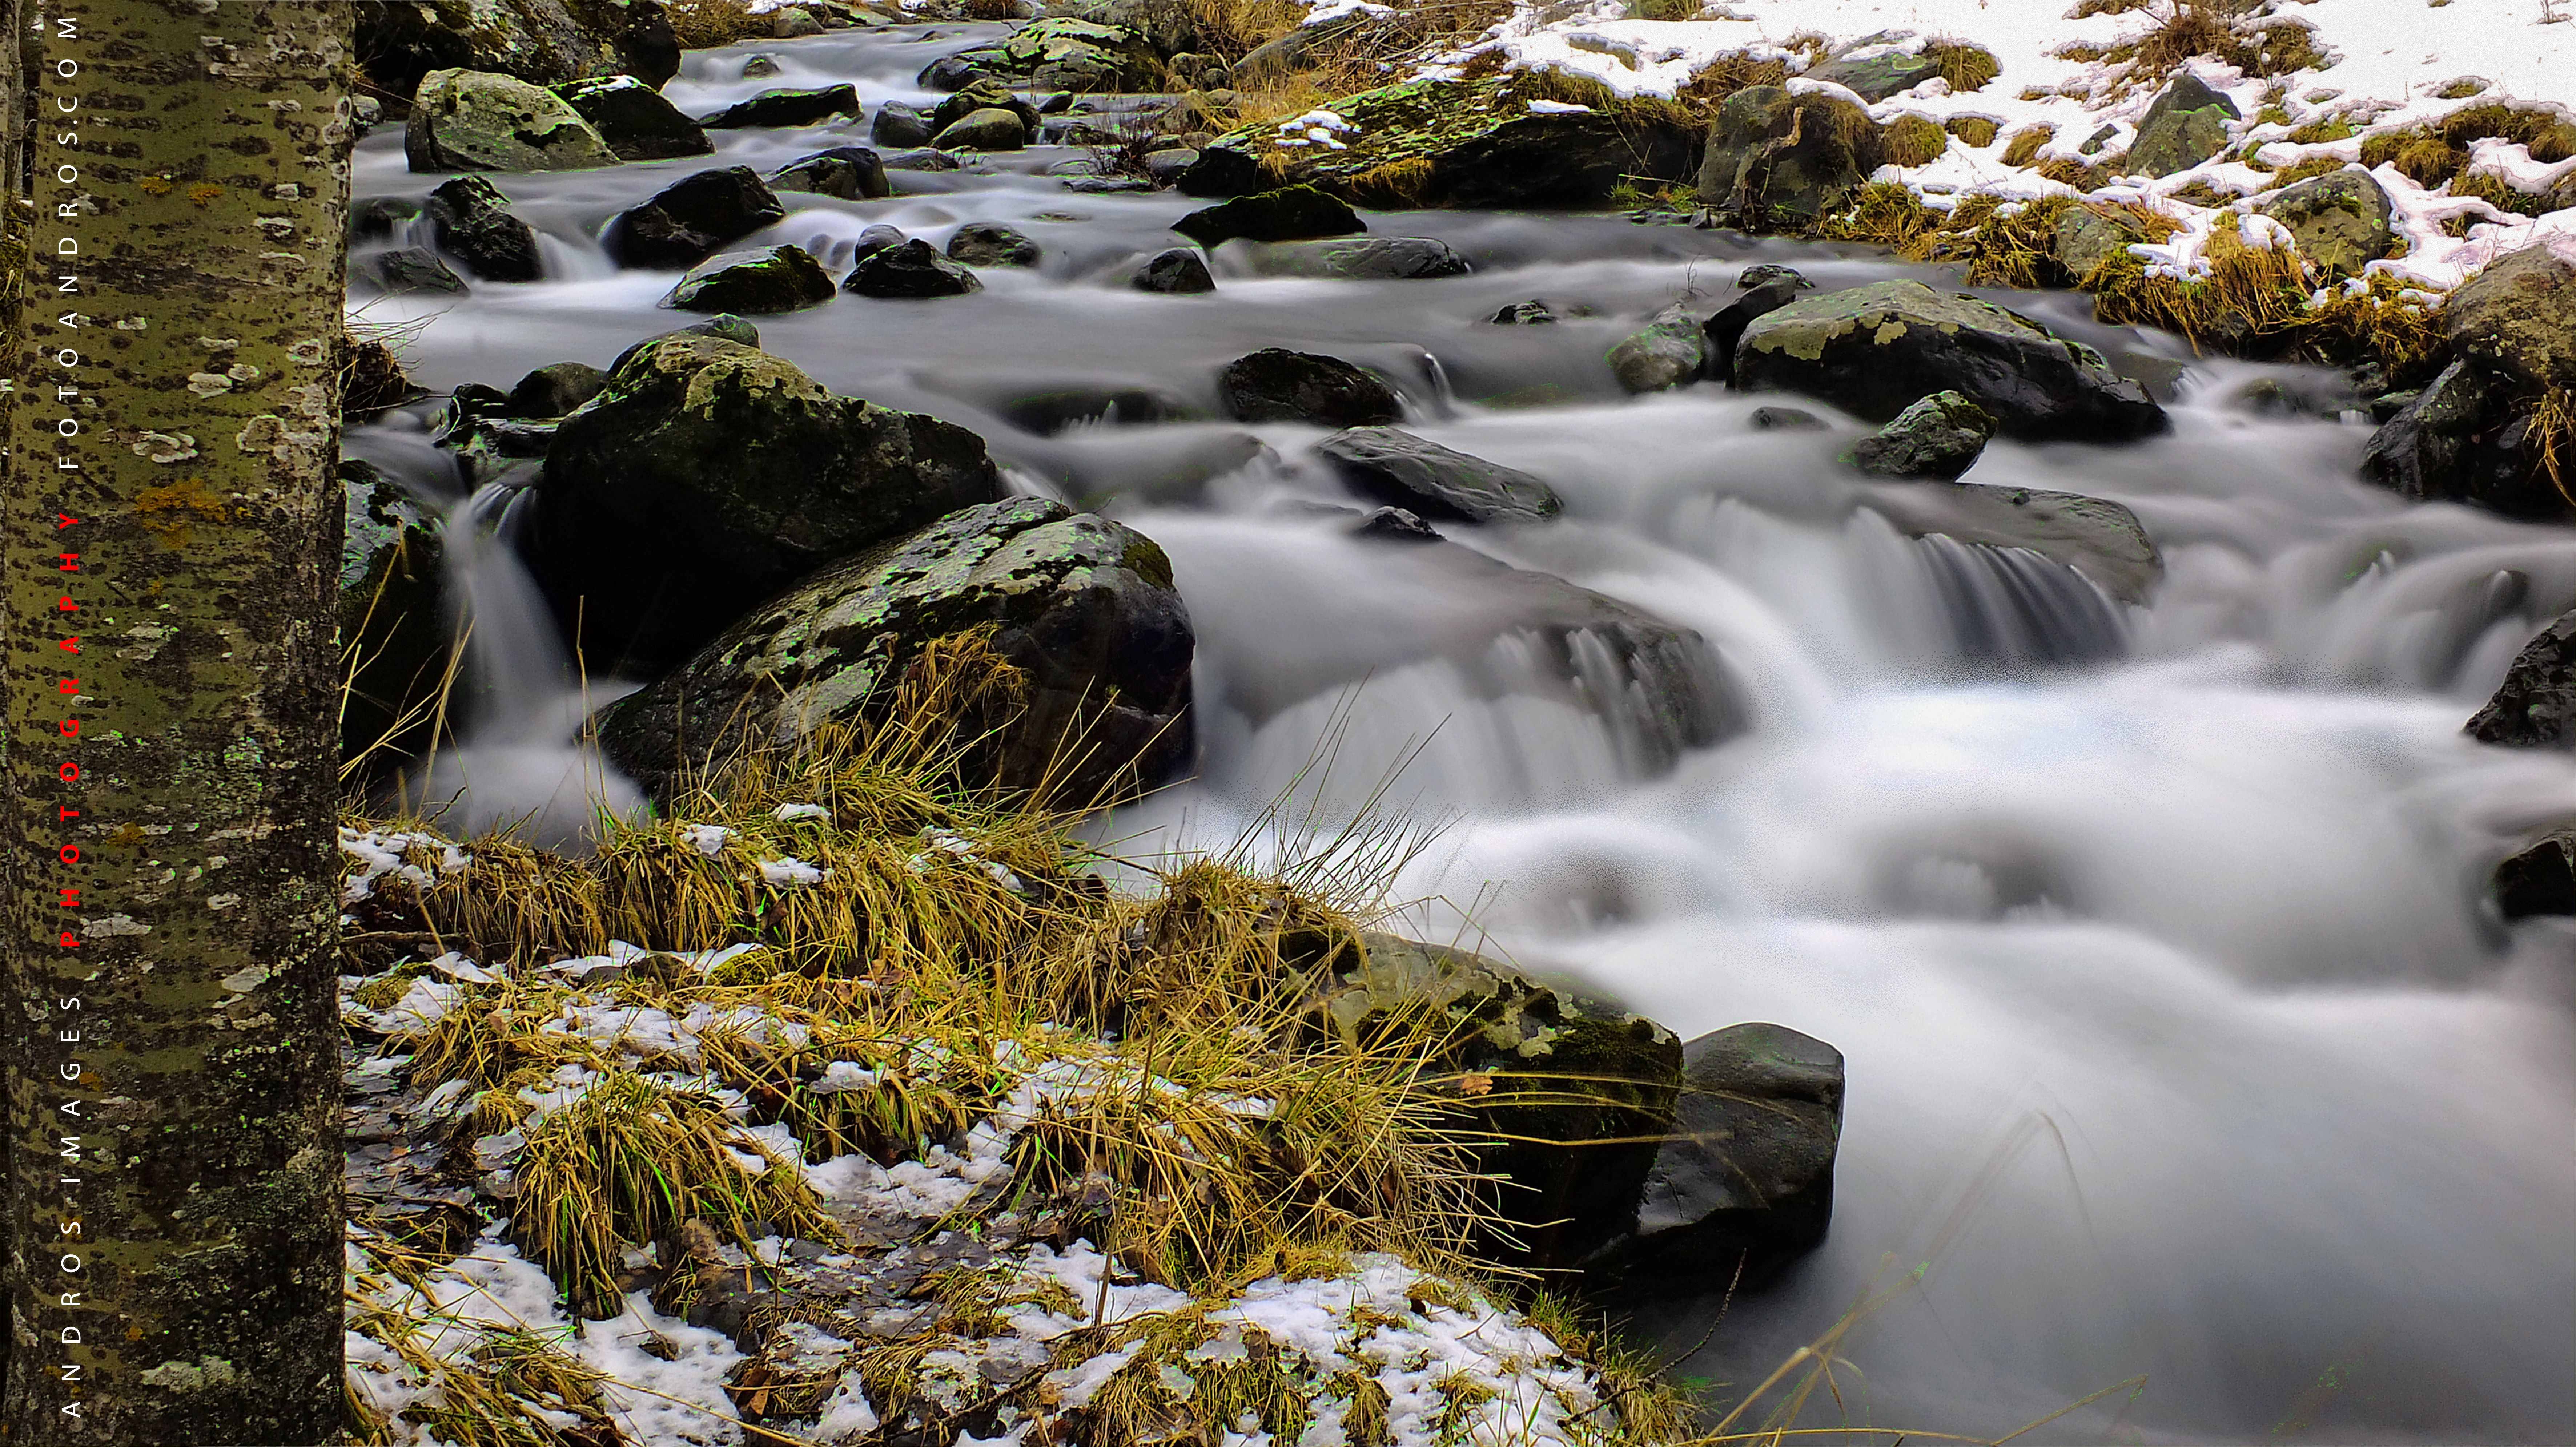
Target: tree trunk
x,y
172,534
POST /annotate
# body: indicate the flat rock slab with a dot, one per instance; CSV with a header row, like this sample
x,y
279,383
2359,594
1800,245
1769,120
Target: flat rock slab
x,y
2096,537
1410,472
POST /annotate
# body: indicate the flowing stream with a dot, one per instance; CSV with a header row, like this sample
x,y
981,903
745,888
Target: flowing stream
x,y
2181,1041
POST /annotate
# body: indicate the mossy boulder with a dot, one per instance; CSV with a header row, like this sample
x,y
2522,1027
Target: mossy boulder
x,y
637,121
1082,56
754,283
2086,238
471,221
542,42
990,128
1939,437
2185,125
405,270
1669,351
1289,213
1451,143
1085,605
2518,317
1576,1092
2535,707
1777,161
983,93
391,616
466,120
990,243
707,475
786,107
1433,481
2339,219
1876,77
1873,350
689,220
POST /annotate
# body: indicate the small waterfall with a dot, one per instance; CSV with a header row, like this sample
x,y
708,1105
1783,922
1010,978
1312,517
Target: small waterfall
x,y
2010,605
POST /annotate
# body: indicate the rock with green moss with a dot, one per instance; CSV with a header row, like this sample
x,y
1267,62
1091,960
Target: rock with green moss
x,y
2086,238
1454,143
392,622
543,42
1085,605
465,120
1289,213
1082,56
1938,437
755,283
636,120
982,93
707,475
787,107
2339,219
1778,162
1876,77
2518,317
2185,125
1576,1091
1668,352
1872,350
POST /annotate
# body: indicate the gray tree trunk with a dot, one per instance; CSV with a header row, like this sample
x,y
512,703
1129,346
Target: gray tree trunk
x,y
171,536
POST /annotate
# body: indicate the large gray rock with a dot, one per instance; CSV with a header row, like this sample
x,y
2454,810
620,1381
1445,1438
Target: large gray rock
x,y
1873,350
1085,605
1669,351
405,270
689,220
555,389
1879,76
1575,1091
708,475
2518,317
543,42
2086,238
471,221
1765,289
2096,537
1938,437
2185,125
989,129
1745,1181
2339,219
754,283
1363,258
1278,385
1777,162
636,120
2536,705
1290,213
1434,481
1082,56
464,120
2467,437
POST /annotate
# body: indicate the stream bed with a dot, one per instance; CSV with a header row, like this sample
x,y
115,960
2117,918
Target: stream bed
x,y
2182,1042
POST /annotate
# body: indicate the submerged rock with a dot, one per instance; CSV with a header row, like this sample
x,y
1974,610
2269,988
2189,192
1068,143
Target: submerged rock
x,y
1278,385
2340,220
2535,707
1777,162
2185,125
909,270
690,219
1524,314
1578,1090
852,173
471,220
754,283
2539,880
638,122
1874,349
1938,437
1423,476
1084,604
787,108
708,475
1290,213
1177,272
1366,258
465,120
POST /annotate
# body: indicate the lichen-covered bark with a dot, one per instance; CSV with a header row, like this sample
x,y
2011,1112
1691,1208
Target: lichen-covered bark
x,y
171,1031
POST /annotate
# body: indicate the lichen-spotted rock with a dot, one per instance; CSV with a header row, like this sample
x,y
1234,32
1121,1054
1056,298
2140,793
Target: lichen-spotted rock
x,y
707,475
1085,605
1872,350
465,120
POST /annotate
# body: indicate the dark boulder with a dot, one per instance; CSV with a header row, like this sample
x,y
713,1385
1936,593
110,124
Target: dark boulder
x,y
852,173
2539,880
1744,1183
2467,437
898,127
638,122
781,279
912,270
927,159
1574,1092
1938,437
1278,385
989,243
2185,125
875,239
787,108
1290,213
1085,605
378,218
2535,707
393,624
2517,316
1364,258
406,269
1055,409
708,475
1778,162
542,42
1177,272
1166,166
1524,314
956,72
1395,525
555,389
1766,289
691,219
982,95
472,222
1872,350
1399,468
